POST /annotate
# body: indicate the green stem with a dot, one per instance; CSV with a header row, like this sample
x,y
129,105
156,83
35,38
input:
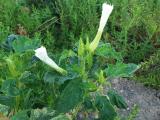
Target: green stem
x,y
18,98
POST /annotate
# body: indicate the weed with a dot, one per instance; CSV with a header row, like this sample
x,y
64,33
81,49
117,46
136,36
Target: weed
x,y
61,90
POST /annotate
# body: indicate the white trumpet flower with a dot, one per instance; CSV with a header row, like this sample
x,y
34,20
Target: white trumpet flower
x,y
106,11
41,53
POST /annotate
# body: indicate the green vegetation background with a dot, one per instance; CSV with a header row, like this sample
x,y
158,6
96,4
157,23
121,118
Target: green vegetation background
x,y
133,28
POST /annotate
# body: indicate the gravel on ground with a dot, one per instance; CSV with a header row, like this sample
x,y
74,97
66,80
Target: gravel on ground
x,y
146,98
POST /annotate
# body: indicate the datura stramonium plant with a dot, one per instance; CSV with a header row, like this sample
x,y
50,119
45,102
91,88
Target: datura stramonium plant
x,y
41,53
106,11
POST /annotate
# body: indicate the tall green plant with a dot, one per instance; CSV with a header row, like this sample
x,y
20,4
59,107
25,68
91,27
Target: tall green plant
x,y
61,90
149,72
134,26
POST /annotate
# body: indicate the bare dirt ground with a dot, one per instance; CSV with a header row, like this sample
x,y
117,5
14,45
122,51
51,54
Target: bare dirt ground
x,y
146,98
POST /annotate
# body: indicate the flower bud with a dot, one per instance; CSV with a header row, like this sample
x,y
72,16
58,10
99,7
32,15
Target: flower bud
x,y
81,48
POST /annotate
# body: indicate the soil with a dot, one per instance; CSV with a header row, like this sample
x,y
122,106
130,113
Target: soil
x,y
146,98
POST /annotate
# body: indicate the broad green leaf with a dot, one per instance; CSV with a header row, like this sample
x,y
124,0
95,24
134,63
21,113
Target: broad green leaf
x,y
120,70
23,44
9,88
27,77
12,67
116,99
105,108
52,77
7,45
7,100
18,63
22,115
88,103
107,51
70,97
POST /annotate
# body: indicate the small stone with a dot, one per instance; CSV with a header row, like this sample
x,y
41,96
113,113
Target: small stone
x,y
121,91
158,95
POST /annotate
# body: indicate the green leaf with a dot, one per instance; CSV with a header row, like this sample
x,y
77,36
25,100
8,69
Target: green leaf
x,y
60,117
66,54
12,67
52,77
89,86
71,96
121,70
107,51
23,44
42,114
9,88
27,77
7,100
22,115
18,63
89,103
116,99
105,108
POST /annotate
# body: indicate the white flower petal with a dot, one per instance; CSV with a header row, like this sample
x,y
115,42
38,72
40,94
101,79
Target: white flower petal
x,y
106,11
41,53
